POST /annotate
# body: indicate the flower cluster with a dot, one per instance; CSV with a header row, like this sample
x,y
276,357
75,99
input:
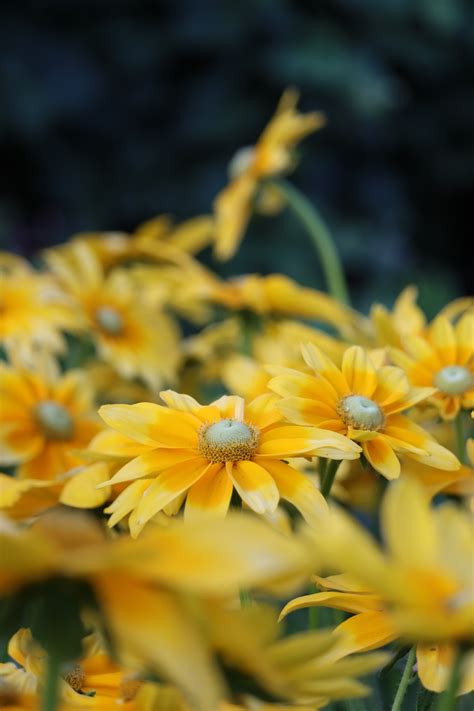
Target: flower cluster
x,y
182,452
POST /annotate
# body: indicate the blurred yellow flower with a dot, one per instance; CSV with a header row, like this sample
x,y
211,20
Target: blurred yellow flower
x,y
44,417
130,331
201,453
33,309
363,402
443,359
272,155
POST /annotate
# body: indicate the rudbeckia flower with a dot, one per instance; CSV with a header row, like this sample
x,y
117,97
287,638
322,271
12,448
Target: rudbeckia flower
x,y
443,359
44,417
130,333
201,453
148,591
33,309
363,402
371,627
272,155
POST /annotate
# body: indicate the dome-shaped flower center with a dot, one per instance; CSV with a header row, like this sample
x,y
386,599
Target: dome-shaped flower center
x,y
54,420
361,413
228,441
75,676
454,380
241,162
109,320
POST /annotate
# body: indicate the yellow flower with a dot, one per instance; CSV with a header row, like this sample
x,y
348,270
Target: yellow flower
x,y
129,332
145,588
424,573
201,453
363,402
372,627
33,309
444,360
271,156
44,417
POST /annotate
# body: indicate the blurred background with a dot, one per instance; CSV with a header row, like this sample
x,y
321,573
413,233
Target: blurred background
x,y
116,110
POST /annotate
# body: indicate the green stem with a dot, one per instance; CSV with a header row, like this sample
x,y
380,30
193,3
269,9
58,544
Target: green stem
x,y
321,238
404,681
447,700
245,598
460,440
314,610
49,699
322,466
329,477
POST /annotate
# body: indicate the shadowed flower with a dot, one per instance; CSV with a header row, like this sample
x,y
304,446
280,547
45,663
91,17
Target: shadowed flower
x,y
363,402
272,155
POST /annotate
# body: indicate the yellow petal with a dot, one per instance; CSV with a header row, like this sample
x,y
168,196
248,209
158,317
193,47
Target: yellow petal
x,y
366,631
324,366
465,339
81,489
254,485
359,371
443,339
211,494
151,463
382,457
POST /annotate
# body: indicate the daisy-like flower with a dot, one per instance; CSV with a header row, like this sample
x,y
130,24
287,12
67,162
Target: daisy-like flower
x,y
33,309
272,155
201,453
130,332
443,359
44,417
363,402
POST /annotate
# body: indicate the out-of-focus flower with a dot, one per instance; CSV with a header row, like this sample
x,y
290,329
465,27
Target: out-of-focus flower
x,y
444,360
272,155
157,239
33,309
201,453
129,330
44,417
424,573
363,402
372,627
144,587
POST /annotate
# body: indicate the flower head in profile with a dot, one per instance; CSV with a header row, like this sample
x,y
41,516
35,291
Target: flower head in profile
x,y
442,358
202,453
272,155
363,402
44,417
33,309
130,331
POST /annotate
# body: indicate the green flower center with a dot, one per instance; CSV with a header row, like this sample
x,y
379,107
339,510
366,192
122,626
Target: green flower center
x,y
241,161
228,441
54,420
361,413
453,380
109,320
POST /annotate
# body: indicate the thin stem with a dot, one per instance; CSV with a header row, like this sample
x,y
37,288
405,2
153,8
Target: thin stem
x,y
460,440
447,700
49,699
245,598
321,238
329,477
404,681
322,466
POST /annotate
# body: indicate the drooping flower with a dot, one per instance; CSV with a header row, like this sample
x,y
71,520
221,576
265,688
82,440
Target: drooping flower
x,y
201,453
443,359
129,330
44,417
363,402
272,155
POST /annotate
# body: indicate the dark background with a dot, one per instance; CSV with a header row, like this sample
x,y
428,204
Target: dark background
x,y
115,110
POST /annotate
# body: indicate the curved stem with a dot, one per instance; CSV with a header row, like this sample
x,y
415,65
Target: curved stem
x,y
404,681
447,700
49,699
329,477
321,238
